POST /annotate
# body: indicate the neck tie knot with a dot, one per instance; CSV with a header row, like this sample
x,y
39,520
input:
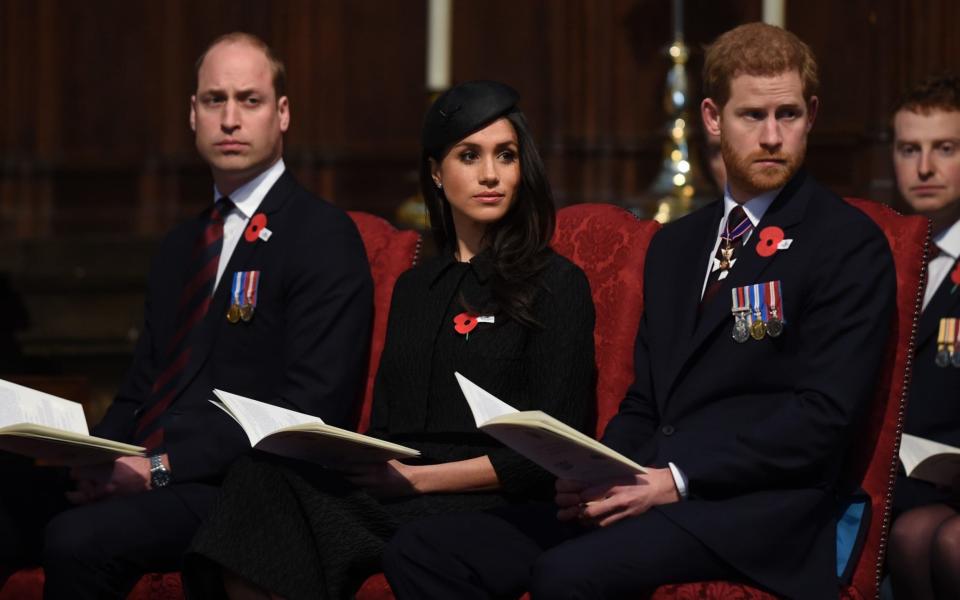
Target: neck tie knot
x,y
221,209
738,224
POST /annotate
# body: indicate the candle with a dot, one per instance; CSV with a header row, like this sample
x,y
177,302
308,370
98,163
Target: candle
x,y
678,20
774,12
439,13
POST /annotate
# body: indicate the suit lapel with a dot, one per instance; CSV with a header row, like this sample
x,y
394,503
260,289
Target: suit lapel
x,y
785,212
943,304
694,258
242,255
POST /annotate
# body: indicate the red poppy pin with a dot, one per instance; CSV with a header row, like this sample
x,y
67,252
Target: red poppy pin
x,y
257,229
955,276
464,323
769,242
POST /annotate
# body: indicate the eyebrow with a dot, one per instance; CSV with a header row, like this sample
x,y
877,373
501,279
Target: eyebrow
x,y
909,142
475,146
240,93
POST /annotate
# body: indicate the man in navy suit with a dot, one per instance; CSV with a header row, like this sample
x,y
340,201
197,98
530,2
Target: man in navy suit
x,y
766,316
923,557
266,294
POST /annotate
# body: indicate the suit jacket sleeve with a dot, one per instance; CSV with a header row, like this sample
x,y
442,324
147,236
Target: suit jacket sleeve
x,y
329,307
843,325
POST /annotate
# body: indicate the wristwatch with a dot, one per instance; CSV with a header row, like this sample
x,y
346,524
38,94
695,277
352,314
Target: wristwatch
x,y
159,475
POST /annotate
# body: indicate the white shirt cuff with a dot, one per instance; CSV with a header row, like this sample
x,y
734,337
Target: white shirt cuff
x,y
679,479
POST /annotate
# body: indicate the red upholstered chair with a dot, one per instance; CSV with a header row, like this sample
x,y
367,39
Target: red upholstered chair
x,y
874,457
610,245
390,252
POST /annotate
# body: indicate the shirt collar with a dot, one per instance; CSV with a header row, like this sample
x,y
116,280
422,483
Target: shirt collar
x,y
948,240
481,264
755,207
248,197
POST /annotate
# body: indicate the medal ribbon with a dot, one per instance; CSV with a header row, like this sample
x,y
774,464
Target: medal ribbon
x,y
759,301
953,334
237,288
250,288
741,228
774,299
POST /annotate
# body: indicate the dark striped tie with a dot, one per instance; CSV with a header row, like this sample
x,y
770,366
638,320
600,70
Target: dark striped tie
x,y
191,309
737,228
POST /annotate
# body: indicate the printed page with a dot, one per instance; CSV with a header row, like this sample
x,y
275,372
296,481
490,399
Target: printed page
x,y
913,450
929,460
19,404
333,447
563,455
483,404
260,419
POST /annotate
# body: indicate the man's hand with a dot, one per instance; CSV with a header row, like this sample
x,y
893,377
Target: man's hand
x,y
606,503
385,480
126,475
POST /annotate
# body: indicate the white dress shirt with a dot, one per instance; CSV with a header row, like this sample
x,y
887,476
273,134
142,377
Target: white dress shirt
x,y
246,200
754,208
948,241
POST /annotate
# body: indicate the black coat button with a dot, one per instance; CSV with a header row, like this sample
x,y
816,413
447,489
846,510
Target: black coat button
x,y
667,430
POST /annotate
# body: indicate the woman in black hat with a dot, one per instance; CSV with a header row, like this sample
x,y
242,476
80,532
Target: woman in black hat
x,y
497,305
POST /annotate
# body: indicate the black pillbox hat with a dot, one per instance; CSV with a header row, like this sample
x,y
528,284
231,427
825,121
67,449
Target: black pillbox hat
x,y
463,109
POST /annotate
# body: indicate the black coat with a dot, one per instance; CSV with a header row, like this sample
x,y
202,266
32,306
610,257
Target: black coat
x,y
549,367
760,428
305,348
933,410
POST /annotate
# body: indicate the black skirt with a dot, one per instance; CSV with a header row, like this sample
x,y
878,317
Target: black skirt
x,y
300,531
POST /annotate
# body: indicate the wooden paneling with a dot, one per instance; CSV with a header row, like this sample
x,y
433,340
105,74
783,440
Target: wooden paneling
x,y
95,145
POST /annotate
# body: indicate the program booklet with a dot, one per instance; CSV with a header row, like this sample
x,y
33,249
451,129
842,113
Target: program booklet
x,y
297,435
930,461
52,430
552,444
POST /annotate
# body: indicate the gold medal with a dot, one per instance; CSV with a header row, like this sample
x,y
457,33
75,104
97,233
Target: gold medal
x,y
726,256
758,330
233,313
246,312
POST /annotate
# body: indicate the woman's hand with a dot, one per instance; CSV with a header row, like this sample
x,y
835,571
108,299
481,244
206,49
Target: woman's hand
x,y
391,479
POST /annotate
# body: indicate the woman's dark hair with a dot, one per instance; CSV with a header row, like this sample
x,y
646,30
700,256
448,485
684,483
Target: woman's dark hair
x,y
518,242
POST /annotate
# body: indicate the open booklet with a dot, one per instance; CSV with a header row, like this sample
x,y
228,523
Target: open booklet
x,y
930,461
550,443
296,435
52,430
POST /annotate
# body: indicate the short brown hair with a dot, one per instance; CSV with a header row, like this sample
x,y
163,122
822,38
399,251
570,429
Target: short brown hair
x,y
276,65
938,92
760,50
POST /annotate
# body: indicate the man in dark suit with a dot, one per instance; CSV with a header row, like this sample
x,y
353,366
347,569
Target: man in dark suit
x,y
924,539
266,294
766,316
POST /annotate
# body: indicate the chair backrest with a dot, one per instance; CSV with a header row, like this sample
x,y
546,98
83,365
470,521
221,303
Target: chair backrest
x,y
874,458
390,252
610,245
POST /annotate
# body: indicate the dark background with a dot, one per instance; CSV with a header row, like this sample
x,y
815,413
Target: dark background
x,y
97,159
